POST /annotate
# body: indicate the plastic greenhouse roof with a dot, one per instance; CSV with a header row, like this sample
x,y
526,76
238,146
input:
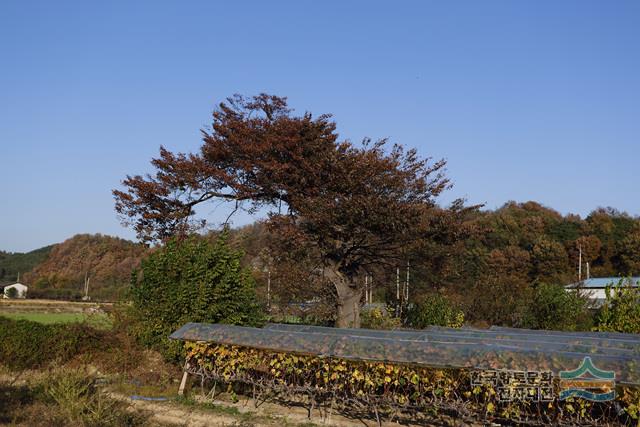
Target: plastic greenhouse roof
x,y
495,348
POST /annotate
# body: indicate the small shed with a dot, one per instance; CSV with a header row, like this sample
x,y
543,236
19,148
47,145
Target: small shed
x,y
19,292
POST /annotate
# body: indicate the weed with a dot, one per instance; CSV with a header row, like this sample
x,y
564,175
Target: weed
x,y
78,400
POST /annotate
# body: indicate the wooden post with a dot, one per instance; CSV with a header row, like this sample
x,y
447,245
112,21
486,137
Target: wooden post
x,y
183,383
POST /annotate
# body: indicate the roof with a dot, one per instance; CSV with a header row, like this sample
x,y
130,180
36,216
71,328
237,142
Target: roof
x,y
16,285
602,282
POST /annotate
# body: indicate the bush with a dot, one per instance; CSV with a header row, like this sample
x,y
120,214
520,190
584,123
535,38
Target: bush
x,y
79,401
553,308
65,397
192,280
25,344
379,318
621,309
54,293
435,310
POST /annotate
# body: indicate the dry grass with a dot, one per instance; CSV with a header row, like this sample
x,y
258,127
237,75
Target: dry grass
x,y
64,397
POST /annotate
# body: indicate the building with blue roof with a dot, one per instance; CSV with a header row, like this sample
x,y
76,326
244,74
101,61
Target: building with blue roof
x,y
595,287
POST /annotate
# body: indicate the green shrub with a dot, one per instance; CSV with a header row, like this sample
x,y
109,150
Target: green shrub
x,y
191,280
553,308
379,318
54,293
12,293
25,344
434,309
621,309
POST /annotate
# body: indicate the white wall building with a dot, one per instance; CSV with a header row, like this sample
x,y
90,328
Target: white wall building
x,y
595,287
21,290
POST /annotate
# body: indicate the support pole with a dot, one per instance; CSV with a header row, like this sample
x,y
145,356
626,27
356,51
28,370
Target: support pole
x,y
183,383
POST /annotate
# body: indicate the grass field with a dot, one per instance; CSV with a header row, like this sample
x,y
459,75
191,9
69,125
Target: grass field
x,y
97,320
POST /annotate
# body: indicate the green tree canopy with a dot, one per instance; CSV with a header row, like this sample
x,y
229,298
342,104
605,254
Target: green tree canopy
x,y
191,280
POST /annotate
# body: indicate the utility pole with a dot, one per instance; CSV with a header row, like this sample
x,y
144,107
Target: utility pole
x,y
580,263
406,294
398,304
366,288
269,290
86,286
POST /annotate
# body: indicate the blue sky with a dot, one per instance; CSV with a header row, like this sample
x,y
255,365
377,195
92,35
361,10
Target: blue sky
x,y
527,100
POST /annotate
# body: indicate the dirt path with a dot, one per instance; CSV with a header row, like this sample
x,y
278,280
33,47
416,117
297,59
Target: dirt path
x,y
171,413
223,412
244,413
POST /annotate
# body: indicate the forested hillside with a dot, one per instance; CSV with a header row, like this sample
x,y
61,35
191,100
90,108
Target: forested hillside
x,y
107,261
12,264
489,262
522,245
499,255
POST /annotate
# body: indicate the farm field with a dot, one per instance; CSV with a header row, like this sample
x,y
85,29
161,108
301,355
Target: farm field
x,y
98,320
50,311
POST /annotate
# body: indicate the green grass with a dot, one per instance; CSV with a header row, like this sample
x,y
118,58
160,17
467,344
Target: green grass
x,y
97,320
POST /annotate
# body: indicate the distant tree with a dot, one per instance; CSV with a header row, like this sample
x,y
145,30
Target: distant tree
x,y
511,262
553,308
568,229
549,259
12,293
621,309
629,253
350,206
500,294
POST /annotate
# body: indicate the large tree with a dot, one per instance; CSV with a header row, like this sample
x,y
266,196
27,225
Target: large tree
x,y
347,206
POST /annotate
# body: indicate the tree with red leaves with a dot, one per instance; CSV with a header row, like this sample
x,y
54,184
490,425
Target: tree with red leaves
x,y
350,206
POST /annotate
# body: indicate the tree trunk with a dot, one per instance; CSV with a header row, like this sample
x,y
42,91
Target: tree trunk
x,y
348,302
348,315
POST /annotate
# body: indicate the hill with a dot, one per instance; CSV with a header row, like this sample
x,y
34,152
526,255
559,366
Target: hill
x,y
12,264
107,261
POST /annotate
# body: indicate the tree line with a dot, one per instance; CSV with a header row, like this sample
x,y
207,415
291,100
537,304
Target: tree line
x,y
492,269
339,211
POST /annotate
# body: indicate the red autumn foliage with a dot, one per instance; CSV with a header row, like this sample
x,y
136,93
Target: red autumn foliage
x,y
348,206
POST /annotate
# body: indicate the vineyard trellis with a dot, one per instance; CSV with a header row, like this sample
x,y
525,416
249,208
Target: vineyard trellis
x,y
403,373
